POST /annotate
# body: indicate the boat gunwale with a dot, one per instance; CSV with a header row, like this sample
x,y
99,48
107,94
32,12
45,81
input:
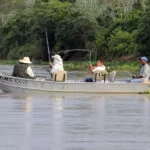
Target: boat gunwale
x,y
24,84
71,81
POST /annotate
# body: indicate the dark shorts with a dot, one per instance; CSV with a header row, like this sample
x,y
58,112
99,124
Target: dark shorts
x,y
89,79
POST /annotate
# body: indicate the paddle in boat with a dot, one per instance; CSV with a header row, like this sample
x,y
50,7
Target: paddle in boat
x,y
59,83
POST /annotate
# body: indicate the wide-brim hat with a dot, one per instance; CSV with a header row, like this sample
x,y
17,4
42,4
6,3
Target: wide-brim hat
x,y
25,60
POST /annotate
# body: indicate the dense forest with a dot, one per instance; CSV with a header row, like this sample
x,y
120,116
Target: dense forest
x,y
108,28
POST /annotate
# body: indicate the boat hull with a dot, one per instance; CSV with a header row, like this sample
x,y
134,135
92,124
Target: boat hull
x,y
14,84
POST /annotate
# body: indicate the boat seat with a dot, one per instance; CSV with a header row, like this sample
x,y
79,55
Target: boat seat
x,y
112,76
59,76
100,75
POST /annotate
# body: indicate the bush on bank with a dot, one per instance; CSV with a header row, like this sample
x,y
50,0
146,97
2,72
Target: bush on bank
x,y
111,33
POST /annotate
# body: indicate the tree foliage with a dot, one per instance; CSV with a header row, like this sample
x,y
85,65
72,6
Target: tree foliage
x,y
144,33
71,1
117,28
75,32
122,43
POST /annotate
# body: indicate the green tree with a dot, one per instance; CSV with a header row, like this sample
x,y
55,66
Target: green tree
x,y
122,43
29,26
76,32
9,8
71,1
144,33
120,34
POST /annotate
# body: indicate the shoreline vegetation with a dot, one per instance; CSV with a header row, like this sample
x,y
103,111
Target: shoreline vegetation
x,y
131,66
108,29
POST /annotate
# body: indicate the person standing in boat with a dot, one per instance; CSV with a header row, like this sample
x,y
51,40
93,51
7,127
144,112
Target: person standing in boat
x,y
144,72
100,66
57,64
22,68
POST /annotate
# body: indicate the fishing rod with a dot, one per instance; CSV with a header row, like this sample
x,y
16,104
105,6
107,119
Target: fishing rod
x,y
48,49
84,50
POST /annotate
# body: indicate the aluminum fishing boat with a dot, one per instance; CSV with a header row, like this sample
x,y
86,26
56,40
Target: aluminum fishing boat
x,y
9,83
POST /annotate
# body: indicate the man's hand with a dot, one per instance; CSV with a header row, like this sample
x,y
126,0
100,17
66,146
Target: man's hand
x,y
136,77
90,66
50,64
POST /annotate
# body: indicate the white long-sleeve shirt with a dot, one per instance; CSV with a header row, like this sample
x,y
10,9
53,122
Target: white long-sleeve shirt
x,y
145,72
99,68
30,72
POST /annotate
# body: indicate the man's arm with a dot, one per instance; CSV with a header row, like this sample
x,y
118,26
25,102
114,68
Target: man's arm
x,y
30,72
91,68
51,65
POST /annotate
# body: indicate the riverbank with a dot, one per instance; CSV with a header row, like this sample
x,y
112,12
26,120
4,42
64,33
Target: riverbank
x,y
119,66
132,66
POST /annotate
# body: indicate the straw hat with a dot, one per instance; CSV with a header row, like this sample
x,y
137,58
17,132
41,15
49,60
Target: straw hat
x,y
25,60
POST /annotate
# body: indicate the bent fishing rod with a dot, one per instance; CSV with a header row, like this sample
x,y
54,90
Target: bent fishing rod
x,y
48,49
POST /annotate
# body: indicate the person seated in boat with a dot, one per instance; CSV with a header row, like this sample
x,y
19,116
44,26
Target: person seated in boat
x,y
144,75
22,68
56,64
100,66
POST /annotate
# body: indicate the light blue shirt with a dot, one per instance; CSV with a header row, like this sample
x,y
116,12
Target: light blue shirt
x,y
145,72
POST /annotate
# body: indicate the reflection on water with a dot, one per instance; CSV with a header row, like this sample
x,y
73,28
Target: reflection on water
x,y
74,122
57,121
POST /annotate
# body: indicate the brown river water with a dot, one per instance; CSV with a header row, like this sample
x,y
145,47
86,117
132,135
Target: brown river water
x,y
60,121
